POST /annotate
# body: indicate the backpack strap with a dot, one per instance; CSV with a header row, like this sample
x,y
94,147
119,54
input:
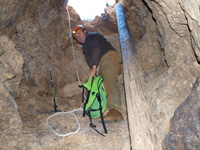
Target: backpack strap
x,y
94,126
84,105
102,120
100,109
81,86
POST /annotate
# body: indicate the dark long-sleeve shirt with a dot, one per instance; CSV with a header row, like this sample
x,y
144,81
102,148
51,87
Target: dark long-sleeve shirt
x,y
95,47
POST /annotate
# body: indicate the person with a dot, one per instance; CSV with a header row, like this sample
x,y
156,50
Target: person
x,y
107,3
105,11
100,53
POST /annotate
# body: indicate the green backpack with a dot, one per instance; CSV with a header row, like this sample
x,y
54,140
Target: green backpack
x,y
95,103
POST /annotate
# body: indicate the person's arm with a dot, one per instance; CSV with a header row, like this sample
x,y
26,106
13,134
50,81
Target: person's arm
x,y
95,53
92,71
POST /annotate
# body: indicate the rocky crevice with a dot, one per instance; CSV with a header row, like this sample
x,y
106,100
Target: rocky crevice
x,y
34,36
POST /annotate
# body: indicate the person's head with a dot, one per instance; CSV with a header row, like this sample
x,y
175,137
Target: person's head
x,y
79,34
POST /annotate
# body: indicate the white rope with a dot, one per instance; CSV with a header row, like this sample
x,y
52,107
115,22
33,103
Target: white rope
x,y
69,112
74,59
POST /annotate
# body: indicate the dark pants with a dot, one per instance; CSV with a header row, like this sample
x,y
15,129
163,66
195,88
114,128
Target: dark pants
x,y
109,69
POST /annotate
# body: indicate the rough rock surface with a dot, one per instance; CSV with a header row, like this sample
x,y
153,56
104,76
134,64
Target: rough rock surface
x,y
11,66
166,36
11,124
191,11
185,124
168,90
11,63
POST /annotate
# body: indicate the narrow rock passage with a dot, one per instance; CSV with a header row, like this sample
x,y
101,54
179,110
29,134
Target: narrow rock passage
x,y
34,35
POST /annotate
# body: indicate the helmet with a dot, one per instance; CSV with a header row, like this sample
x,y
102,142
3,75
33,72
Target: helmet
x,y
76,29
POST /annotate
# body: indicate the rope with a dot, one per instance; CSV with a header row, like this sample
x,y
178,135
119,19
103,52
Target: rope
x,y
74,59
69,112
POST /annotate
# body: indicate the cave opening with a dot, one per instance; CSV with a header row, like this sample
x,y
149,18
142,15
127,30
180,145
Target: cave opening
x,y
89,9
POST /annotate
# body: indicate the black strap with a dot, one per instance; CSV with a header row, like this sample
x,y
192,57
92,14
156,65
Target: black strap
x,y
100,109
86,101
94,126
81,86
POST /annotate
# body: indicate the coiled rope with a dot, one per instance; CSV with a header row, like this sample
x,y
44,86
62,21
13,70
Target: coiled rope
x,y
69,112
59,113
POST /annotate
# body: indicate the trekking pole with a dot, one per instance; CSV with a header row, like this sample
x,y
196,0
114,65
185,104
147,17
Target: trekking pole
x,y
54,100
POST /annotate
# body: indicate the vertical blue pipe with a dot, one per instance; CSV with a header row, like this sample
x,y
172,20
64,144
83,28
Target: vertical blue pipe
x,y
126,41
143,132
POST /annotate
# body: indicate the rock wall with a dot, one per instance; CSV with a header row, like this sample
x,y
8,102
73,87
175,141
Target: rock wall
x,y
11,62
191,12
35,35
185,124
171,88
11,66
167,57
40,31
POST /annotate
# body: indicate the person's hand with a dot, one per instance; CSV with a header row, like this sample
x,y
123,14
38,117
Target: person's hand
x,y
92,71
78,47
